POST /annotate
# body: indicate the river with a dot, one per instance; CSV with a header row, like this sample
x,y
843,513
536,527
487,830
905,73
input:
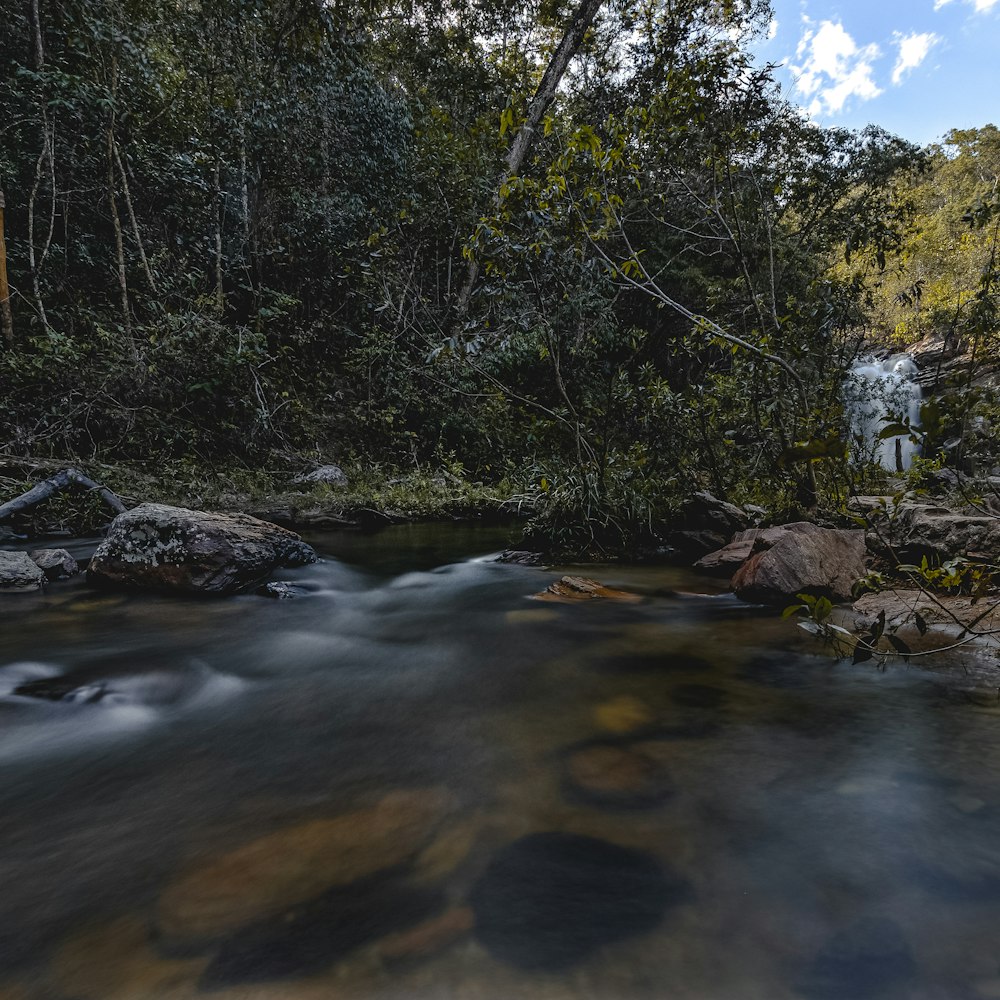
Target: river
x,y
414,781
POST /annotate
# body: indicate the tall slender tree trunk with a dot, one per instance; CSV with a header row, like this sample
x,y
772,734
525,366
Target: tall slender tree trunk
x,y
116,223
572,38
220,298
6,319
133,221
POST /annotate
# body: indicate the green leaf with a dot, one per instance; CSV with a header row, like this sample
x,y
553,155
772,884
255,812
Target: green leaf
x,y
862,652
898,644
893,430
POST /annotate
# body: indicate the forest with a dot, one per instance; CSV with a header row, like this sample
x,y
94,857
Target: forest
x,y
581,260
496,503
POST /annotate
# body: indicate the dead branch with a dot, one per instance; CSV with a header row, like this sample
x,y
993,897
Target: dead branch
x,y
48,488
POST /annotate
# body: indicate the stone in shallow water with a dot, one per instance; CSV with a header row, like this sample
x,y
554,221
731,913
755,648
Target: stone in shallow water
x,y
581,588
18,573
311,937
56,564
549,900
623,714
870,959
615,776
286,868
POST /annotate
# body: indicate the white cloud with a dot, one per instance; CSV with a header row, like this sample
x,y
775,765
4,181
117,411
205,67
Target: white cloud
x,y
981,6
772,29
833,68
913,50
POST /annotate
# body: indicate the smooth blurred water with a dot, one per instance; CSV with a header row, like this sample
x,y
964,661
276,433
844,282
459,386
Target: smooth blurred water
x,y
823,830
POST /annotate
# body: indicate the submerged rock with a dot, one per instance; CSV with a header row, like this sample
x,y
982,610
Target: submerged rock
x,y
580,588
870,959
428,937
549,900
623,714
56,564
309,938
289,867
801,558
616,776
18,574
170,548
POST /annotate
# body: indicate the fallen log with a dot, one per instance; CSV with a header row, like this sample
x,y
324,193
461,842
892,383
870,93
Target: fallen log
x,y
48,488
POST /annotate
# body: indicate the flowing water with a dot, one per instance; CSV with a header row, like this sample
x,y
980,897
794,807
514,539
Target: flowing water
x,y
879,393
414,781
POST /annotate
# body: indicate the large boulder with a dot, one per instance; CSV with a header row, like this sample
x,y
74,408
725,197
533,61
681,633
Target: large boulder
x,y
171,548
18,573
801,558
913,530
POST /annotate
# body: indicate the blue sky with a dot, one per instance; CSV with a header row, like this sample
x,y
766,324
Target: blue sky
x,y
915,67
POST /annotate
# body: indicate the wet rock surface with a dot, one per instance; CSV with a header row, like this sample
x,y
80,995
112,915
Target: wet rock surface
x,y
56,564
159,547
580,588
310,938
279,590
521,557
18,574
549,900
615,775
288,867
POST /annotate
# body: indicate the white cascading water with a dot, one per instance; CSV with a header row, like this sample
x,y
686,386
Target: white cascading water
x,y
878,393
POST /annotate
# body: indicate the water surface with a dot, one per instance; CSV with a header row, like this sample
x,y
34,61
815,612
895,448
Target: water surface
x,y
676,798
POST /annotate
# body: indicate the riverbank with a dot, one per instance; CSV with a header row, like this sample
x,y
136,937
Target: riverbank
x,y
368,496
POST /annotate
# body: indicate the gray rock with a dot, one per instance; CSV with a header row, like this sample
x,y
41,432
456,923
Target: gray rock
x,y
18,573
730,557
56,564
521,557
280,590
704,512
801,558
329,475
913,530
170,548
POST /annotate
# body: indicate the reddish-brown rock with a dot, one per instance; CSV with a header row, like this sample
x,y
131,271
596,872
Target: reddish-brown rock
x,y
801,558
580,588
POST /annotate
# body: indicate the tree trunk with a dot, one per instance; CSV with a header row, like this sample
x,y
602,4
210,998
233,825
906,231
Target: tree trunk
x,y
572,38
133,221
6,319
48,488
116,223
220,298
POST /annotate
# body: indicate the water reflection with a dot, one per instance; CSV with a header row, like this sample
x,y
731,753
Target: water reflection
x,y
413,782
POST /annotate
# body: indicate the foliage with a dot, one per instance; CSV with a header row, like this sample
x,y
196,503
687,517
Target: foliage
x,y
237,232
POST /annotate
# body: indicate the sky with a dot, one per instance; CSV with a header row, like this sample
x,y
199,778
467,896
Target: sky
x,y
916,67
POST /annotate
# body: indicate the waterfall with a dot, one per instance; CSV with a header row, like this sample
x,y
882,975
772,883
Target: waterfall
x,y
877,393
